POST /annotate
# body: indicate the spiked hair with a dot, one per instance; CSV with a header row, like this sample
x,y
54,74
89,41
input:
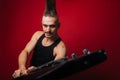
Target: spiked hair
x,y
50,9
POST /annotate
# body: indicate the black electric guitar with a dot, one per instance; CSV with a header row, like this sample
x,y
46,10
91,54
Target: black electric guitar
x,y
59,69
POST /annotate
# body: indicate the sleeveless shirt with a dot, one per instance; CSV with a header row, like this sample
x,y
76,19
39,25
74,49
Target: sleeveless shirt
x,y
43,54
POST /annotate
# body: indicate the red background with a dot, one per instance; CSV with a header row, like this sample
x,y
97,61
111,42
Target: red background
x,y
91,24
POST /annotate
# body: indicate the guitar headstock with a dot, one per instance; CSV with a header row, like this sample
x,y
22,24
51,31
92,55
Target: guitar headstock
x,y
86,52
89,59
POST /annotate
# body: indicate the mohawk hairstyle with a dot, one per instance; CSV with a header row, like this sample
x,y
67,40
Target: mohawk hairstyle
x,y
50,9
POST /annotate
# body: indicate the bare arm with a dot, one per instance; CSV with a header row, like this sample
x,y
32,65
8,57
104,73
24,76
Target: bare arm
x,y
60,51
22,59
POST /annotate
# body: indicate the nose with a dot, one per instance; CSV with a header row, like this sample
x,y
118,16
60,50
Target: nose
x,y
48,28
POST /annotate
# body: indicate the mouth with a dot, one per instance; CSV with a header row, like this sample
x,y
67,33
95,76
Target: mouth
x,y
48,34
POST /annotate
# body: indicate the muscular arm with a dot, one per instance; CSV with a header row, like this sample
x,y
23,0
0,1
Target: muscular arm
x,y
60,51
22,59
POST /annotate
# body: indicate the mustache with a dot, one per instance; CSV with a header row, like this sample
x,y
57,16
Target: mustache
x,y
48,32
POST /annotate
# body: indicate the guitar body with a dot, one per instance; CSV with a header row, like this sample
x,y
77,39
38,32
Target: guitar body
x,y
65,67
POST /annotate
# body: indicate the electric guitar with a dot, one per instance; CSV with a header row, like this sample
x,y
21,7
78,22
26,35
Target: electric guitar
x,y
59,69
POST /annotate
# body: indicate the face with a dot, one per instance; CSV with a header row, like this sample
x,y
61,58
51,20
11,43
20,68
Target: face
x,y
49,26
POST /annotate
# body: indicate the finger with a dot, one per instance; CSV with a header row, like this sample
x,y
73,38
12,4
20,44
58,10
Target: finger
x,y
13,75
32,68
16,73
24,72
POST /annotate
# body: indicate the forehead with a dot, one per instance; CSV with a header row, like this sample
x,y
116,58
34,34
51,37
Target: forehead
x,y
48,20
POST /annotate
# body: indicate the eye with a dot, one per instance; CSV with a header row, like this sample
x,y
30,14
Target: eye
x,y
53,26
45,25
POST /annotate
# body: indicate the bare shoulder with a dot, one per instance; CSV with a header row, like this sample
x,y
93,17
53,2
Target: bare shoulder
x,y
61,45
37,34
60,50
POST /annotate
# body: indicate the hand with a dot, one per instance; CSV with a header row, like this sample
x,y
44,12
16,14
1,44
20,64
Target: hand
x,y
19,73
30,69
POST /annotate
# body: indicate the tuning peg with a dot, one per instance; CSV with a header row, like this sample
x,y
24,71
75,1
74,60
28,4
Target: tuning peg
x,y
74,56
86,52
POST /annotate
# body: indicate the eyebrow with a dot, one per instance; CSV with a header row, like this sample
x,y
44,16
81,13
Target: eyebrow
x,y
49,25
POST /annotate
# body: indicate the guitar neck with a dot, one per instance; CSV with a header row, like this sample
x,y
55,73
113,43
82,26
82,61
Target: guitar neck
x,y
55,69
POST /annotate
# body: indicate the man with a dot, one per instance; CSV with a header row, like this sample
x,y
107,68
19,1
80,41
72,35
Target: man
x,y
47,44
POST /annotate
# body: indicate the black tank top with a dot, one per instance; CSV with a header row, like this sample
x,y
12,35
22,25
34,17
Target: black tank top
x,y
43,54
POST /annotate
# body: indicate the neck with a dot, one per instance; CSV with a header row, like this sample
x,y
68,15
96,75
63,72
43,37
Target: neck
x,y
48,41
53,38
